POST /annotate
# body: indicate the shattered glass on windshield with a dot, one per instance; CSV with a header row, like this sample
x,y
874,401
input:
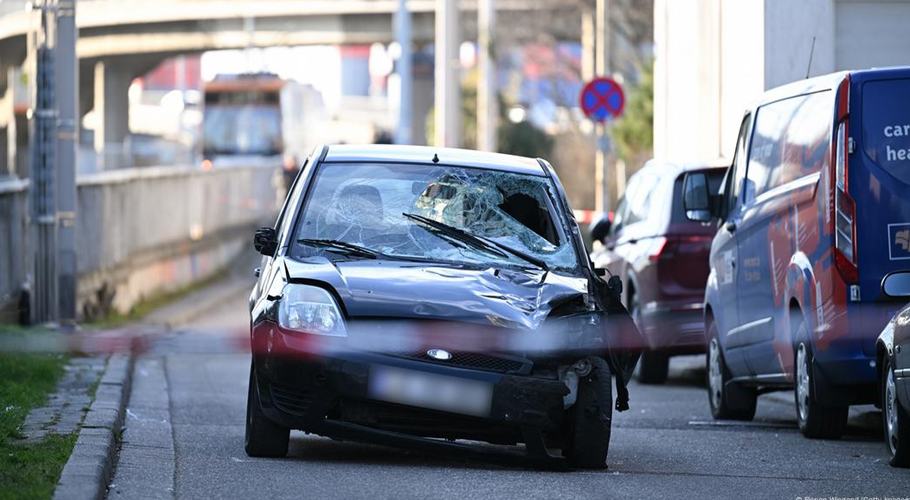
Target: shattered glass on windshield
x,y
364,205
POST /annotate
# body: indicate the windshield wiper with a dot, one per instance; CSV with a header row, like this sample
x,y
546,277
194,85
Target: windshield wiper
x,y
479,242
347,248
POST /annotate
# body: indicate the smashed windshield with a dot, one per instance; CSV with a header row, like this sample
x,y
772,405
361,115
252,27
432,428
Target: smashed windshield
x,y
365,205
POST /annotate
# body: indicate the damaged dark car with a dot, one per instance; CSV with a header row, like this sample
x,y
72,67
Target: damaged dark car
x,y
440,300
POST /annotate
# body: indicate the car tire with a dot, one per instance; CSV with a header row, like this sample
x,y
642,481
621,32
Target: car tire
x,y
263,438
591,418
815,421
728,401
895,420
653,367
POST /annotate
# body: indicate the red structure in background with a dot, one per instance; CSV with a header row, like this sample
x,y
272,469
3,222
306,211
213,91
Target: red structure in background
x,y
181,72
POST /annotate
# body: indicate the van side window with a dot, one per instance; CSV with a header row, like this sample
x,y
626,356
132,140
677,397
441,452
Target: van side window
x,y
791,141
738,170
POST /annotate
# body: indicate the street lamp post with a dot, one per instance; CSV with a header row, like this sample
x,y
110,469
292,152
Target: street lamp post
x,y
602,68
448,91
53,162
487,102
403,132
67,73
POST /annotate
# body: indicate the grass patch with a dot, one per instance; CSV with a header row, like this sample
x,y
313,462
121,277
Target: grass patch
x,y
147,305
29,471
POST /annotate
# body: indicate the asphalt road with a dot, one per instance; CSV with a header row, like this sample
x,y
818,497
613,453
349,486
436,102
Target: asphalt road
x,y
184,438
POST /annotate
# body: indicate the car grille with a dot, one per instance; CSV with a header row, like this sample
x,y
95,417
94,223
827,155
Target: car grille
x,y
290,400
476,360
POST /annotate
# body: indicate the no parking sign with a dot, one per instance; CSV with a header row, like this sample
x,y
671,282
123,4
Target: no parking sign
x,y
602,99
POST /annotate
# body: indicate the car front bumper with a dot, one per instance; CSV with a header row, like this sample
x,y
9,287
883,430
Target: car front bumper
x,y
329,393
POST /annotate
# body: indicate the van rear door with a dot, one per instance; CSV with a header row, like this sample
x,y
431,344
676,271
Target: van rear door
x,y
879,181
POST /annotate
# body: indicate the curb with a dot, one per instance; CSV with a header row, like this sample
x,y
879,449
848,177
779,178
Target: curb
x,y
88,470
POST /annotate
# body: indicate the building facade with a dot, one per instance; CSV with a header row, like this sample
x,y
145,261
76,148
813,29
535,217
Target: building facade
x,y
714,57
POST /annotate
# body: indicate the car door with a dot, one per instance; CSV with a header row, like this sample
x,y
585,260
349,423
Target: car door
x,y
725,255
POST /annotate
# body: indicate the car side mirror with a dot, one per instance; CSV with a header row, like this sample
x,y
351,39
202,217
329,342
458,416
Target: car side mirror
x,y
601,228
265,241
696,197
897,284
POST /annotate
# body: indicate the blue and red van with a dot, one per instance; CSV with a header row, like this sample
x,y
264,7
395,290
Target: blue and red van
x,y
813,213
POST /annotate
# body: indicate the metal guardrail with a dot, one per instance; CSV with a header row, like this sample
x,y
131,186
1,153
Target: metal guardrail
x,y
131,217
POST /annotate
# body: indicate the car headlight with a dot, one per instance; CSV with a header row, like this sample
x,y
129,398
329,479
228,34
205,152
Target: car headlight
x,y
310,309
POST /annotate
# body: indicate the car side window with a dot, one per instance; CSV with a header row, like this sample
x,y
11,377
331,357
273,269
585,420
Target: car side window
x,y
620,215
640,204
282,225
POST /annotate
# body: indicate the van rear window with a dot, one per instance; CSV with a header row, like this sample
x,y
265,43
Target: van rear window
x,y
886,125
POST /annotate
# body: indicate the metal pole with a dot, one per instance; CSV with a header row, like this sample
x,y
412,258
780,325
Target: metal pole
x,y
588,44
447,95
43,170
403,36
67,78
602,60
487,98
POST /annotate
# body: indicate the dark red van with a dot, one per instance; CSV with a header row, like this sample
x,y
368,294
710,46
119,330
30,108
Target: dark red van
x,y
662,257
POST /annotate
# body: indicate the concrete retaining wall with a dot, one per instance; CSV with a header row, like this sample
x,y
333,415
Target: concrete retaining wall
x,y
13,231
144,231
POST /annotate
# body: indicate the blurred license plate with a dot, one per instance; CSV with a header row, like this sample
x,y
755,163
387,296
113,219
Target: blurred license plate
x,y
429,390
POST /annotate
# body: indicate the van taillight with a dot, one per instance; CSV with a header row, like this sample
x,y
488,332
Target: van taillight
x,y
844,207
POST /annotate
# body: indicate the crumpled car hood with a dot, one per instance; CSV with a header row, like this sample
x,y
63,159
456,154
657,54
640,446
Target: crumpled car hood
x,y
407,290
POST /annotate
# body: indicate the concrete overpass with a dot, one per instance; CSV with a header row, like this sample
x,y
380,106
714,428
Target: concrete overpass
x,y
120,40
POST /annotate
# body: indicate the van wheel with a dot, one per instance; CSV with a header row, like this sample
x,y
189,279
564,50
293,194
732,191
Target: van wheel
x,y
263,438
896,421
653,367
591,419
729,401
815,421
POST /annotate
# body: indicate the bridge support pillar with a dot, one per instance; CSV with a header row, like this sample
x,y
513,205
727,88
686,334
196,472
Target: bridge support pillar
x,y
112,84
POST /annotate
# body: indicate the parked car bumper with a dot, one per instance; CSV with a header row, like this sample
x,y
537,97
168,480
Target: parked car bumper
x,y
676,328
337,394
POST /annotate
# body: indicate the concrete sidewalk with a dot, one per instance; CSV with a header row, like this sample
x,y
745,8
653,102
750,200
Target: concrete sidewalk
x,y
91,465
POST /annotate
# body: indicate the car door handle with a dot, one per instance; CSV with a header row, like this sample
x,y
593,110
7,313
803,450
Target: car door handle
x,y
730,226
257,271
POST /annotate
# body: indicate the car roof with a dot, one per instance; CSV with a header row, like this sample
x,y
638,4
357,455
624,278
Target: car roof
x,y
385,153
673,169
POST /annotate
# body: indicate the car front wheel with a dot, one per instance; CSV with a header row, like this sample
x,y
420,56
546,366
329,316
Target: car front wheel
x,y
591,419
896,421
264,438
729,401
